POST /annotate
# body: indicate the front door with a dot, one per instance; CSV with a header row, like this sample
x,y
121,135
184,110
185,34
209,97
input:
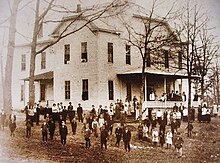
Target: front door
x,y
42,92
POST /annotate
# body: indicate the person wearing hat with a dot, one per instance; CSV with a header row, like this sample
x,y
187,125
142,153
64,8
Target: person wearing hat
x,y
71,113
80,113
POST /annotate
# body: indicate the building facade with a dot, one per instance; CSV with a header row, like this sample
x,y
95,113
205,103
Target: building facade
x,y
96,66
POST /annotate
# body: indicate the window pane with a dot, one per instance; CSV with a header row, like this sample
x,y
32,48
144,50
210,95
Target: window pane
x,y
67,89
85,92
66,53
110,52
22,92
128,54
111,90
23,62
43,60
84,52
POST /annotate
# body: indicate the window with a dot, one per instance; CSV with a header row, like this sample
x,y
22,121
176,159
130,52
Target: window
x,y
111,90
110,52
85,90
66,54
22,92
84,52
67,90
148,60
166,56
128,54
43,60
23,62
180,55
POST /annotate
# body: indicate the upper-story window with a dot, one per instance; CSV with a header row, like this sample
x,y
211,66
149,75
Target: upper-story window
x,y
85,89
180,55
43,60
128,54
22,92
166,58
66,54
23,62
84,52
110,52
67,90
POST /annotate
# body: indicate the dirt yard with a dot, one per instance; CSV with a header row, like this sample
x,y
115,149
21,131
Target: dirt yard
x,y
204,146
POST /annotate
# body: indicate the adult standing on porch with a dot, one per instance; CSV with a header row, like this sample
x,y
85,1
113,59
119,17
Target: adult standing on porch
x,y
79,113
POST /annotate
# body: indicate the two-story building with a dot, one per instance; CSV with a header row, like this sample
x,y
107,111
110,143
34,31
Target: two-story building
x,y
96,66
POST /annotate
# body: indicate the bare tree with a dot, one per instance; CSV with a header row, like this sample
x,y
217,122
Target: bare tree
x,y
7,93
204,56
192,22
150,41
87,16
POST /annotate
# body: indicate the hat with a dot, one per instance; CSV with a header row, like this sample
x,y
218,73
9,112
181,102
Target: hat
x,y
79,104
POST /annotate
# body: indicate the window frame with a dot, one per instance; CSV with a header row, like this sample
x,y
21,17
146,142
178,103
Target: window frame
x,y
84,53
22,93
66,53
43,60
85,89
110,52
67,89
128,54
23,62
110,89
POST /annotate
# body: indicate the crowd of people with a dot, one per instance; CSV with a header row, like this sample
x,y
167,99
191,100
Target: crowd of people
x,y
160,127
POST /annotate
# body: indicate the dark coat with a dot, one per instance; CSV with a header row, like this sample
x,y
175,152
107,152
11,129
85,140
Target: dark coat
x,y
104,135
118,131
79,110
63,131
127,136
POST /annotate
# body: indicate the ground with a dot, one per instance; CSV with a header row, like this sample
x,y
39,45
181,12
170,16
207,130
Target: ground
x,y
204,146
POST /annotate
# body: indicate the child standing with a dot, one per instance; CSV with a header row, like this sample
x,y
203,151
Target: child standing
x,y
169,137
44,129
28,128
179,145
87,134
155,136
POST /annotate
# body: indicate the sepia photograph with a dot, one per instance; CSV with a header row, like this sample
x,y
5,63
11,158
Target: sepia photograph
x,y
109,81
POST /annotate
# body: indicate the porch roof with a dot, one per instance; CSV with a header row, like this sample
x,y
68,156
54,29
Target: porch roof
x,y
42,76
156,71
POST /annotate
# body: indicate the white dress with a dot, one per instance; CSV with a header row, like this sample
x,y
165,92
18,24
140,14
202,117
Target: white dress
x,y
169,137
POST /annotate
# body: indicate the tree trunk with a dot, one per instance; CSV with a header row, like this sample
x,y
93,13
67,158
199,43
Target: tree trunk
x,y
7,93
33,56
189,100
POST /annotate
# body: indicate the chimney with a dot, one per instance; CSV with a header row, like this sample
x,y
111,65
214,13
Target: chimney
x,y
78,8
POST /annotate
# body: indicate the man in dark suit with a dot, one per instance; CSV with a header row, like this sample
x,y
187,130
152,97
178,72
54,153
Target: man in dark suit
x,y
104,135
79,113
118,133
127,139
70,112
63,132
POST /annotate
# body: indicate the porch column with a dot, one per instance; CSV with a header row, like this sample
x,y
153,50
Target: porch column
x,y
165,84
145,87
